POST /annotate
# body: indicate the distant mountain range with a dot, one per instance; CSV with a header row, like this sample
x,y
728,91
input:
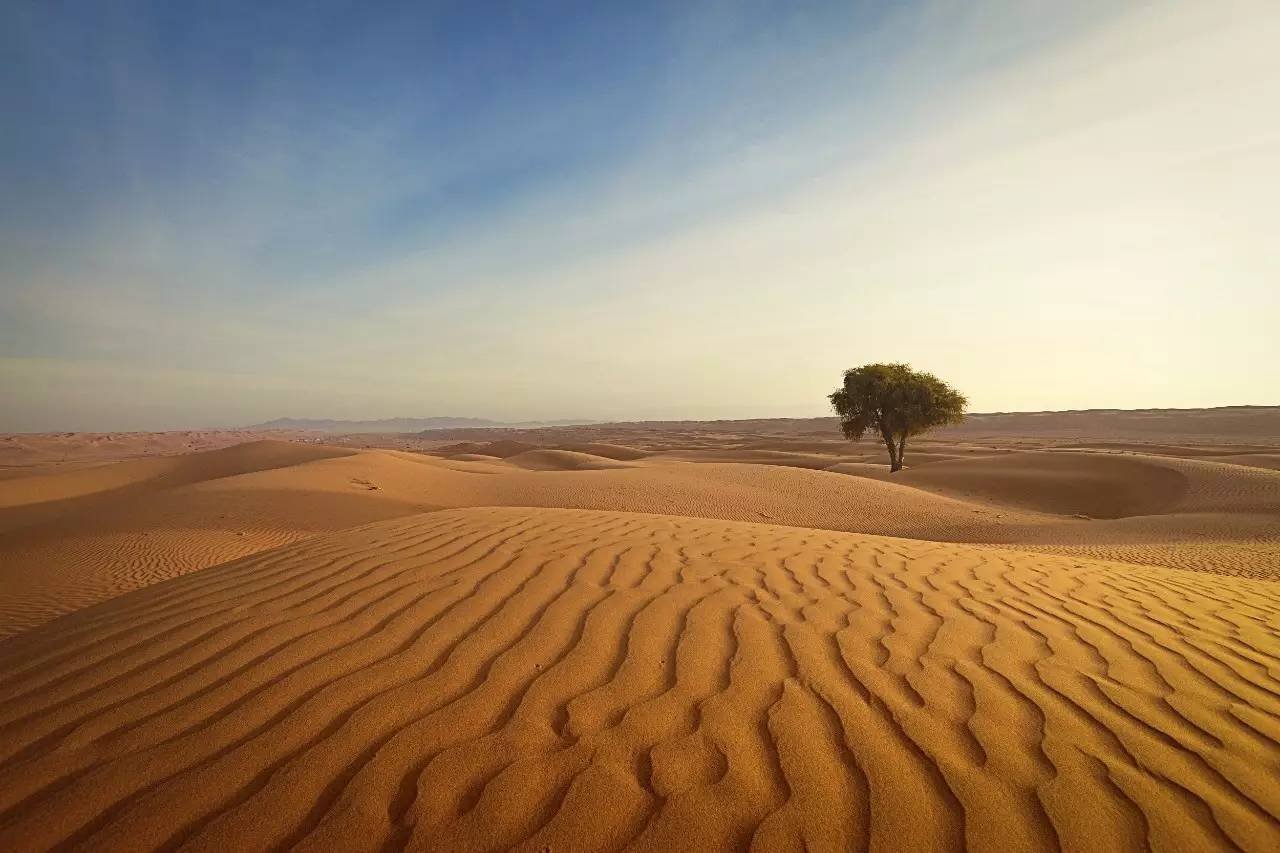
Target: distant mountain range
x,y
405,424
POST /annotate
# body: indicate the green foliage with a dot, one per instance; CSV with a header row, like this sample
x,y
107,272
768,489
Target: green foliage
x,y
896,402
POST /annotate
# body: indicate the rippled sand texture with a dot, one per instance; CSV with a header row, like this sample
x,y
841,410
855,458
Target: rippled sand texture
x,y
583,680
71,538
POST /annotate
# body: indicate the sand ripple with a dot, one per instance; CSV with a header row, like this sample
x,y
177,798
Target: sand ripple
x,y
569,679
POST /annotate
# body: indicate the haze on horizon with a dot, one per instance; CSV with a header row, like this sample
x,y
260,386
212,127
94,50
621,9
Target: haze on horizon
x,y
227,213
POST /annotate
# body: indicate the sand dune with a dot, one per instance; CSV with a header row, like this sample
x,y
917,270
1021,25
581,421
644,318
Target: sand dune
x,y
1096,485
788,458
136,523
71,539
74,538
874,470
1270,461
22,453
492,678
564,460
497,449
608,451
517,450
593,647
470,457
116,480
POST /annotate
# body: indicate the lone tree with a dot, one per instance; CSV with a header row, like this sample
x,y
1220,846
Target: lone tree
x,y
897,402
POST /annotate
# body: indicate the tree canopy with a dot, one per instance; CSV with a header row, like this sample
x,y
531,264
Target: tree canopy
x,y
896,402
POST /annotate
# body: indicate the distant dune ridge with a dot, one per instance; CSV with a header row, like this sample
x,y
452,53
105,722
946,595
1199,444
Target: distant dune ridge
x,y
1228,422
400,424
20,452
687,639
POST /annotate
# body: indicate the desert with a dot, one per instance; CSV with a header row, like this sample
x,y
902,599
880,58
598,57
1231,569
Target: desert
x,y
640,427
734,636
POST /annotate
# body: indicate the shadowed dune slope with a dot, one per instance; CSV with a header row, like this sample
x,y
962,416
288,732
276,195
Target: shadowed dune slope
x,y
135,523
1270,461
535,679
608,451
35,494
563,460
1096,485
504,448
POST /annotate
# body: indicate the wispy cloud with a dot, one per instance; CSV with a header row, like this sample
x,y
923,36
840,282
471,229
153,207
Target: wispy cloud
x,y
701,214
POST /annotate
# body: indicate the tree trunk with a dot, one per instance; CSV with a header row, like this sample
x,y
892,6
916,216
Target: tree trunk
x,y
893,452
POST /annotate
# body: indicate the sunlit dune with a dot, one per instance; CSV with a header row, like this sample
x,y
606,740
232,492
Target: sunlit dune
x,y
76,537
591,646
573,680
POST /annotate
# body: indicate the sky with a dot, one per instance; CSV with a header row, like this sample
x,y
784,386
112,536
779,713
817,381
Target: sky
x,y
215,214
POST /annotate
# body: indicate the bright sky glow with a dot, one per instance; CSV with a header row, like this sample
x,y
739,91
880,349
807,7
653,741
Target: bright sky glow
x,y
221,213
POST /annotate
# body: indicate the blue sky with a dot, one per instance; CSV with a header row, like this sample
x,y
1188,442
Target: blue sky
x,y
219,213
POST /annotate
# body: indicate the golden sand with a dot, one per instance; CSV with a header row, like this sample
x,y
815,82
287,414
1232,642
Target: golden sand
x,y
565,650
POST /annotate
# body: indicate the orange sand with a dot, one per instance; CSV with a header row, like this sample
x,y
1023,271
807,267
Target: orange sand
x,y
595,647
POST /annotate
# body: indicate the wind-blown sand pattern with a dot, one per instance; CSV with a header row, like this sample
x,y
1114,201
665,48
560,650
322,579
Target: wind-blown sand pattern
x,y
71,538
757,644
571,680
